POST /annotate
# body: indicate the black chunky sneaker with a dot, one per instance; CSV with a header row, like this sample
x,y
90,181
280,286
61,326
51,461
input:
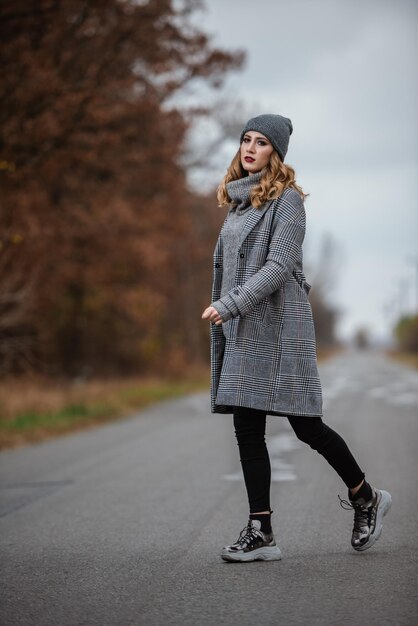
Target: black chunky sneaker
x,y
368,518
252,545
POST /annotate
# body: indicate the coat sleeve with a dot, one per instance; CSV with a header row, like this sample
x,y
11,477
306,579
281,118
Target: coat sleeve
x,y
288,233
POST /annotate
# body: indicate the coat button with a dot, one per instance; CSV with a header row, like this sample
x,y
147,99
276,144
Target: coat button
x,y
242,255
236,292
217,265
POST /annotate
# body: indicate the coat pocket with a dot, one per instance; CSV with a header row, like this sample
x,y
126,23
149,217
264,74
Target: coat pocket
x,y
268,312
301,280
260,315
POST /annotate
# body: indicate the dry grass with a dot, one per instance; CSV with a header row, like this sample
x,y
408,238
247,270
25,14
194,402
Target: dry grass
x,y
324,353
35,409
407,358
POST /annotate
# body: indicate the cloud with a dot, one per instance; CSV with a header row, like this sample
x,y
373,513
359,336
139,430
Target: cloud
x,y
346,73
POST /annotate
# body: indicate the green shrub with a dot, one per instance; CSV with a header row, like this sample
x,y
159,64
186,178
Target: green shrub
x,y
406,333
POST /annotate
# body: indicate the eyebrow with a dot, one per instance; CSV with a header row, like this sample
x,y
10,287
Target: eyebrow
x,y
257,137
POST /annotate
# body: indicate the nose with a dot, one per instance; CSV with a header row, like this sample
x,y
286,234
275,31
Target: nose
x,y
251,146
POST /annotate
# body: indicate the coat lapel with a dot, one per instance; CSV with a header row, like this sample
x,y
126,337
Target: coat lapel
x,y
254,216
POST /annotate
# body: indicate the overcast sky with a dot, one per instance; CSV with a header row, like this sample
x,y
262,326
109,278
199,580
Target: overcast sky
x,y
345,72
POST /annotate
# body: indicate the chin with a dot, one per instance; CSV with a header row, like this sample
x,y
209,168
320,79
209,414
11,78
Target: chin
x,y
251,169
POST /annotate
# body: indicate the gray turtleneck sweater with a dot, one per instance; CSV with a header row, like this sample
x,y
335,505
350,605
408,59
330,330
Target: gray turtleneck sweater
x,y
239,192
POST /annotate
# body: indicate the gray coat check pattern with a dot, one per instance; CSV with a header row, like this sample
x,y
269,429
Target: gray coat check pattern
x,y
263,356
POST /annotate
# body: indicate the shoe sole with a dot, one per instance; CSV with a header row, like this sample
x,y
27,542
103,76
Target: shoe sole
x,y
384,506
261,554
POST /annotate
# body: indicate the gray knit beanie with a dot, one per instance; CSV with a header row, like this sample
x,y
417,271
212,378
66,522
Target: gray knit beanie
x,y
275,127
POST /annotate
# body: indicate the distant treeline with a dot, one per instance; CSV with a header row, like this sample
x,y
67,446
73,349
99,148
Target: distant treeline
x,y
105,253
406,333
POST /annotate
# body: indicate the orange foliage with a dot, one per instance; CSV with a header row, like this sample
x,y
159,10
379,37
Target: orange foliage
x,y
104,265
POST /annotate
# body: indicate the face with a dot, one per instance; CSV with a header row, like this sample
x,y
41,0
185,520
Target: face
x,y
255,151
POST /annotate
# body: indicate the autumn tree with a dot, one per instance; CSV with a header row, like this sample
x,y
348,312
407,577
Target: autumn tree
x,y
99,233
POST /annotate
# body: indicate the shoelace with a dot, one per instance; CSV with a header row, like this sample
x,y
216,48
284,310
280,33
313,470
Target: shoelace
x,y
362,515
247,535
346,505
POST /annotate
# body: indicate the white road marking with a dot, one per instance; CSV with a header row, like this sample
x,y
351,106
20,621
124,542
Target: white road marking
x,y
401,389
396,386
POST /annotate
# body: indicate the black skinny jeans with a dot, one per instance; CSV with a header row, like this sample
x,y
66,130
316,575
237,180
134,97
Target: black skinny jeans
x,y
250,429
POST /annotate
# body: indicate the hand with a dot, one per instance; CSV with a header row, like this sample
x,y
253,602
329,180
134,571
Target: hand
x,y
212,315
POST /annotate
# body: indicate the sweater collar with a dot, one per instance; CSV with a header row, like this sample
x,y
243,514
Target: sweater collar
x,y
239,191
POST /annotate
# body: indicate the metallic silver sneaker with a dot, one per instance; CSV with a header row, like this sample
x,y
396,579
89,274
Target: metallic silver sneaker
x,y
252,545
368,518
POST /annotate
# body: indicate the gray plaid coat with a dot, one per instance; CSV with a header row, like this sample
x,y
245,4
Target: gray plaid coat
x,y
263,356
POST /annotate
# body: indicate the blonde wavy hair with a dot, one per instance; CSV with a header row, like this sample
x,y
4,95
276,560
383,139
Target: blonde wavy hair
x,y
276,177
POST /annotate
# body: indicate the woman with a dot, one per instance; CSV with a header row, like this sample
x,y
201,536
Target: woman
x,y
263,350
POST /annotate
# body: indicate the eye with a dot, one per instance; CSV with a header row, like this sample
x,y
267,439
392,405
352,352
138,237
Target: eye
x,y
262,143
245,140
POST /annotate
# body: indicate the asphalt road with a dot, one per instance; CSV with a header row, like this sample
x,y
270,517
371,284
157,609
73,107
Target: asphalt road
x,y
123,524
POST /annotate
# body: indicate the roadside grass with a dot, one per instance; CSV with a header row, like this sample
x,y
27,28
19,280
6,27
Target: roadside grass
x,y
34,409
407,358
327,352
